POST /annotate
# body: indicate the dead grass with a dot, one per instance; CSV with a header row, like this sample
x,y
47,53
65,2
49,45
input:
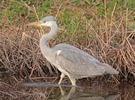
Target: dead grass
x,y
20,54
107,38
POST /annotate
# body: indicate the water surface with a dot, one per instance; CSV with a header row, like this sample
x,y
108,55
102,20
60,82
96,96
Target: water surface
x,y
95,91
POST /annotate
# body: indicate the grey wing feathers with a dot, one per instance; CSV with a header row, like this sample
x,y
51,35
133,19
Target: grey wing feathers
x,y
77,62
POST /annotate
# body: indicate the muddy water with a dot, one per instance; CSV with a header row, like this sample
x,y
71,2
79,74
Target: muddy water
x,y
51,91
102,91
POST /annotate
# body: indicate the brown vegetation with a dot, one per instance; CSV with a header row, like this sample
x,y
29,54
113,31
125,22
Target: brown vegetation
x,y
109,38
20,54
103,28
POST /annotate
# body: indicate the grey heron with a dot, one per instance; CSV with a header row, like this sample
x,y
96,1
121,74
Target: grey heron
x,y
69,60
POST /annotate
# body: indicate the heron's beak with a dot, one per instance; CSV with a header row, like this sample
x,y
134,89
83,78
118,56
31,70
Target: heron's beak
x,y
38,24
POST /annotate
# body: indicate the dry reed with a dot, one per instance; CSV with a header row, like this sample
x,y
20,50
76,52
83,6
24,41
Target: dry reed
x,y
111,42
109,39
20,54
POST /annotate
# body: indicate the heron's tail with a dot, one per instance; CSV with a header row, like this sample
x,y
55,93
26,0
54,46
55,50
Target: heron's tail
x,y
110,70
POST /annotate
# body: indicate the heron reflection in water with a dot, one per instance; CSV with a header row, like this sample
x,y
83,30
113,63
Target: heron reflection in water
x,y
69,60
73,94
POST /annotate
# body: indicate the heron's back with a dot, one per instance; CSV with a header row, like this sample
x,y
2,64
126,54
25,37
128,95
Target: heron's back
x,y
78,63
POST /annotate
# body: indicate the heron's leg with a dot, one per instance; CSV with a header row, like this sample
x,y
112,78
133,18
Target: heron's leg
x,y
61,77
62,91
73,80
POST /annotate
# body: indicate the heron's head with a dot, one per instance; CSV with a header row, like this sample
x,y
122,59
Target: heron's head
x,y
46,21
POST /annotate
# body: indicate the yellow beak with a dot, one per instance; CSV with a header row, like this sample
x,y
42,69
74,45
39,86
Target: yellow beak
x,y
38,24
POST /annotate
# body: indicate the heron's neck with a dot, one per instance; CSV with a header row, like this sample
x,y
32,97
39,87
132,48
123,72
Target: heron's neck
x,y
45,49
